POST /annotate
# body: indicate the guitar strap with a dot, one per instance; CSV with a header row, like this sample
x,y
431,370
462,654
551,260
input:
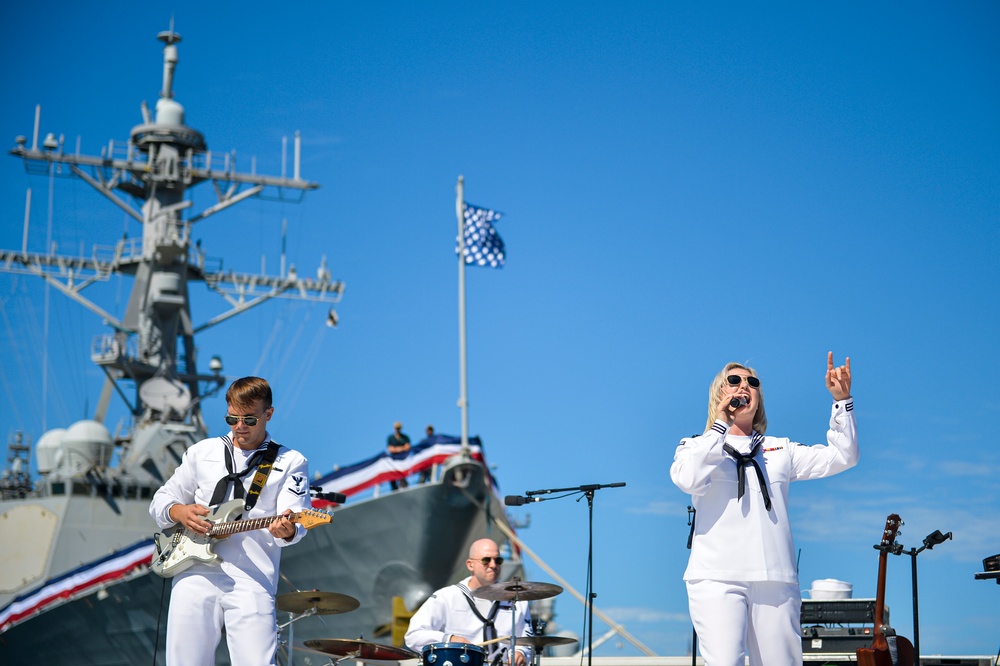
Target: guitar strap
x,y
263,469
890,638
262,459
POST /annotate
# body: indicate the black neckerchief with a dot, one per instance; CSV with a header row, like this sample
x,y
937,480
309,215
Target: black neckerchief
x,y
744,459
260,457
489,622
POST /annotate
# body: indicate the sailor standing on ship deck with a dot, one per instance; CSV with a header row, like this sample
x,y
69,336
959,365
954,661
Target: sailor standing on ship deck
x,y
239,593
742,584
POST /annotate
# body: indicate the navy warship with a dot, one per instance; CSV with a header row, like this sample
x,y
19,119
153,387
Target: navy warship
x,y
76,539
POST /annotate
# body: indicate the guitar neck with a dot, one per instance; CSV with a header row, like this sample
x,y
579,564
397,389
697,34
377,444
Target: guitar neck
x,y
879,638
237,526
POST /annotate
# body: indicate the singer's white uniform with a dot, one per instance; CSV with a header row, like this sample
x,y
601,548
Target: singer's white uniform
x,y
446,613
240,593
743,590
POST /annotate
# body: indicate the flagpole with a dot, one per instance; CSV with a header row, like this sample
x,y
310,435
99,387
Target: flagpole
x,y
463,399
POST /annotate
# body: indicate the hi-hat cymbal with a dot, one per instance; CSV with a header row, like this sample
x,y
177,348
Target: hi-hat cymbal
x,y
345,647
517,590
321,603
543,641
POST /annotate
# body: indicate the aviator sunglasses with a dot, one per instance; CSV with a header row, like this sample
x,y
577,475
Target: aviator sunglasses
x,y
248,421
736,380
485,561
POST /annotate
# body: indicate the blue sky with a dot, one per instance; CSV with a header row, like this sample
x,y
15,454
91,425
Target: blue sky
x,y
682,185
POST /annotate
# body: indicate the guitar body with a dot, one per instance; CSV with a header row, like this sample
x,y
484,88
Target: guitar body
x,y
907,655
871,656
178,548
186,547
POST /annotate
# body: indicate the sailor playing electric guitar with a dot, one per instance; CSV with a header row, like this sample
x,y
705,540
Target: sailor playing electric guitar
x,y
179,547
236,592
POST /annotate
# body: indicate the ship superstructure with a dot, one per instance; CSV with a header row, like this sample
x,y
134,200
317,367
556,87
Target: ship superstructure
x,y
76,541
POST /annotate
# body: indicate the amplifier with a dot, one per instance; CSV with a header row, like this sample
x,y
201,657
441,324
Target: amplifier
x,y
835,639
841,611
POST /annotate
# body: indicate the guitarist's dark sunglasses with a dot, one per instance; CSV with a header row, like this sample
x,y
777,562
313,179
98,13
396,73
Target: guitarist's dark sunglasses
x,y
736,380
249,421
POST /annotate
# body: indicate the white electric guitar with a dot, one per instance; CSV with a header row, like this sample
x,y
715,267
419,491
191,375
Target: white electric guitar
x,y
178,547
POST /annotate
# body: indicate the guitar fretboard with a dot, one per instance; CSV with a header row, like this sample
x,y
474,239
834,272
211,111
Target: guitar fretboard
x,y
236,526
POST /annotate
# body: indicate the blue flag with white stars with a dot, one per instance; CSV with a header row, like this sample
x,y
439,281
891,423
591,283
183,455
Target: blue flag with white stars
x,y
482,244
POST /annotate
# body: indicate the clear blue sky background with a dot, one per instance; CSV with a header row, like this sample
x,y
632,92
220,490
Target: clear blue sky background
x,y
682,185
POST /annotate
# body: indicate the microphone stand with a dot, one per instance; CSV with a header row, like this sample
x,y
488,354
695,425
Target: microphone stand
x,y
935,538
694,631
588,491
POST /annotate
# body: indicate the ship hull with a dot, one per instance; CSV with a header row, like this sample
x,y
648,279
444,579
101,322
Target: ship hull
x,y
406,543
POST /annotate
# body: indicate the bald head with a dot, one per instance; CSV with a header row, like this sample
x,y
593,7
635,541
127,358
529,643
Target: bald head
x,y
483,574
483,548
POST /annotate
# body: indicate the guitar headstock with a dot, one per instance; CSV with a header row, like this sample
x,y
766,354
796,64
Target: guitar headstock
x,y
892,524
310,518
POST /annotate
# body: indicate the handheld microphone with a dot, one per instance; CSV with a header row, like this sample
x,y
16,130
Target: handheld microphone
x,y
736,403
517,500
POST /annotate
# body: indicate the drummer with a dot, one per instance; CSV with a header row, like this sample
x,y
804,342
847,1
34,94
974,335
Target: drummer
x,y
453,615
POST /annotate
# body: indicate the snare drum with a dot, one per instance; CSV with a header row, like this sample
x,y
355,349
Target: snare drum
x,y
453,654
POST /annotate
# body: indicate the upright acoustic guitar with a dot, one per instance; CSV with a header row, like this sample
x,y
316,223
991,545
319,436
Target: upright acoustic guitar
x,y
887,649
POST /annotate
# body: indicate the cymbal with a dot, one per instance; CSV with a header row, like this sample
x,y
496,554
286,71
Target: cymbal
x,y
321,603
345,647
517,590
543,641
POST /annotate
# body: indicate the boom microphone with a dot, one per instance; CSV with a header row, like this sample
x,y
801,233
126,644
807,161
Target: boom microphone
x,y
517,500
736,403
336,498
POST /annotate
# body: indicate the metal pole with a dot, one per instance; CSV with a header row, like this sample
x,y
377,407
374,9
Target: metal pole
x,y
463,399
916,616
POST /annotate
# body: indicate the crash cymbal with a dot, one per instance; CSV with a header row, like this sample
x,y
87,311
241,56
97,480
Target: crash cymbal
x,y
517,590
345,647
543,641
321,603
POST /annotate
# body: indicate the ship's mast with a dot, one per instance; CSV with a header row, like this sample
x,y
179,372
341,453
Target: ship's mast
x,y
152,345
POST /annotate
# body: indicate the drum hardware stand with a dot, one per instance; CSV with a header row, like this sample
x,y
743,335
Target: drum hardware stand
x,y
292,617
588,492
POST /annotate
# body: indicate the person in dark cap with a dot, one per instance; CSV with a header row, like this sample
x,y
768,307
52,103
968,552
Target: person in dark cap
x,y
398,445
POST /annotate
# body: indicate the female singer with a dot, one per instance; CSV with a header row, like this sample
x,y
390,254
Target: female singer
x,y
742,584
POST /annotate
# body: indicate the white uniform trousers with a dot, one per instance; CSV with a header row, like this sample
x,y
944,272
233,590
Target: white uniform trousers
x,y
206,602
760,620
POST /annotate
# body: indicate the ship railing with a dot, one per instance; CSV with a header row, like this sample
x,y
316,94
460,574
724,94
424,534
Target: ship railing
x,y
431,454
107,349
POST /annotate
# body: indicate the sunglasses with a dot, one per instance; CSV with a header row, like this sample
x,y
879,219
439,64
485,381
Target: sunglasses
x,y
485,561
736,380
249,421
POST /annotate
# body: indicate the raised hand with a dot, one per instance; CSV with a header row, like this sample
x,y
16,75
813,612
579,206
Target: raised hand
x,y
838,379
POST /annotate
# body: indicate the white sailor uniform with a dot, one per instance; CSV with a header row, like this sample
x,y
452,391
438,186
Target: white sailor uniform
x,y
239,594
447,613
743,590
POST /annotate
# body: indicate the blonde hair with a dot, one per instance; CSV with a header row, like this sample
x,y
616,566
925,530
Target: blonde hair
x,y
715,394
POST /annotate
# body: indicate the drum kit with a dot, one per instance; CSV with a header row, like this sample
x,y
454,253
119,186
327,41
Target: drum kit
x,y
305,604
